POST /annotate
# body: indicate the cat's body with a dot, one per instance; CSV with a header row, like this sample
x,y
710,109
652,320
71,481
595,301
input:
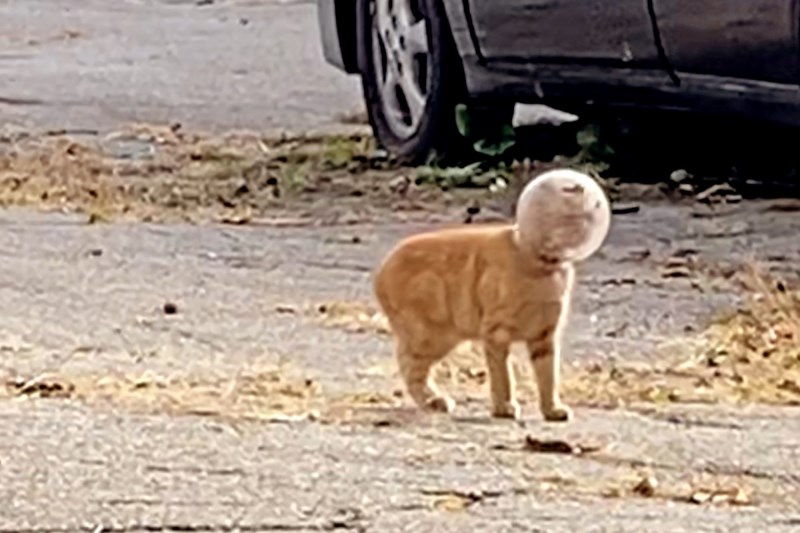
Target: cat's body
x,y
498,284
440,289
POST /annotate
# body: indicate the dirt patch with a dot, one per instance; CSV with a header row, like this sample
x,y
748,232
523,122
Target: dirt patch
x,y
162,173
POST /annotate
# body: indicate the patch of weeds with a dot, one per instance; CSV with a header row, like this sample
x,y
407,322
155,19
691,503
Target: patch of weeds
x,y
500,166
216,154
447,177
354,153
476,175
595,155
293,175
340,152
193,177
214,170
491,140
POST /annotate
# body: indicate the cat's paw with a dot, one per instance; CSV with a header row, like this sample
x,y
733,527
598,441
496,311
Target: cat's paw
x,y
508,410
557,413
440,404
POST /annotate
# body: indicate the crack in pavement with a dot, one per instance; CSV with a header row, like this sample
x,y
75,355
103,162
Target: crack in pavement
x,y
196,470
339,266
787,522
686,420
793,479
8,100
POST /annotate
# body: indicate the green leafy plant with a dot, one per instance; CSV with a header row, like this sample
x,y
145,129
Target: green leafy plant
x,y
448,176
496,178
594,153
497,140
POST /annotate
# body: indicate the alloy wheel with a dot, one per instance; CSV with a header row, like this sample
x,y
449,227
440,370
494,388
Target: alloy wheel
x,y
401,55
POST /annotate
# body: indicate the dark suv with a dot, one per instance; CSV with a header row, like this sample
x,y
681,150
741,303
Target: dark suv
x,y
419,58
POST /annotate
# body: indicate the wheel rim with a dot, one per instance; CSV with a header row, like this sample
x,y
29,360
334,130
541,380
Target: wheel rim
x,y
400,51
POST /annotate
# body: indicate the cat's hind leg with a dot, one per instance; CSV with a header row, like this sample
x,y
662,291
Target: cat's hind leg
x,y
415,362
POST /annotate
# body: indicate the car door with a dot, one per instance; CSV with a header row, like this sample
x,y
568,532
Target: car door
x,y
611,32
754,39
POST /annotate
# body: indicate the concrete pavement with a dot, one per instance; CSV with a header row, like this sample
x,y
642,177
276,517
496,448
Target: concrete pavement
x,y
82,300
226,65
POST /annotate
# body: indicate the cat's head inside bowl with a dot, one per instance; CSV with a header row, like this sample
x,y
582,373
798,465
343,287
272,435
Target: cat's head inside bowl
x,y
562,216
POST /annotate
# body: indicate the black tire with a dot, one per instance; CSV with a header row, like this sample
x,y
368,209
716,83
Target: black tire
x,y
436,135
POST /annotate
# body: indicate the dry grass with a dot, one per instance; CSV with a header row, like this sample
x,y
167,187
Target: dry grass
x,y
750,355
159,174
755,351
266,395
355,317
162,173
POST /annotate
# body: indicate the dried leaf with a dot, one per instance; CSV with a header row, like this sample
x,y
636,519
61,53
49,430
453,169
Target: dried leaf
x,y
733,496
457,500
535,445
549,446
235,219
452,503
44,386
646,486
676,272
700,497
740,497
790,385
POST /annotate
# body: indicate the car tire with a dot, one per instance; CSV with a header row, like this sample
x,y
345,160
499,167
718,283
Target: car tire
x,y
412,79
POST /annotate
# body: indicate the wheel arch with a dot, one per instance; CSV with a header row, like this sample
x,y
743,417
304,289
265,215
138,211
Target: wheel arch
x,y
337,23
344,12
461,26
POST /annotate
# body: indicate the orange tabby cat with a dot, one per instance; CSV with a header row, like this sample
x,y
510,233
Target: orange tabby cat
x,y
496,284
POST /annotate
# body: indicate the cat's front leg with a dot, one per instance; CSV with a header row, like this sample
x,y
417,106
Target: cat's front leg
x,y
545,356
501,380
